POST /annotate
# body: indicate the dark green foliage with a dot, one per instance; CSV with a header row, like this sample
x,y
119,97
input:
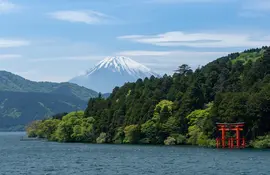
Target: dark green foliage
x,y
234,88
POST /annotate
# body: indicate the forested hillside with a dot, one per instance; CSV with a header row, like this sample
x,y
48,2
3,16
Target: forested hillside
x,y
18,109
14,83
178,109
22,100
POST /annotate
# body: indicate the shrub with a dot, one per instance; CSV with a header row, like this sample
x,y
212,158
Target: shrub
x,y
101,138
261,142
170,141
132,134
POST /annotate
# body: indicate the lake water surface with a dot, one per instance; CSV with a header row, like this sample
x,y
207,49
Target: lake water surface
x,y
46,158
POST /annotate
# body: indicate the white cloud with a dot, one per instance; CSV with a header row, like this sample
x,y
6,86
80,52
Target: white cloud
x,y
9,56
6,6
6,43
143,53
167,61
200,39
168,53
88,17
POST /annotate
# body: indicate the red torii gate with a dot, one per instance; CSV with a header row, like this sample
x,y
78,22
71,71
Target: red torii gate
x,y
229,142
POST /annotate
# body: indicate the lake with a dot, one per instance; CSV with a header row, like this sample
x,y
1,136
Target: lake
x,y
48,158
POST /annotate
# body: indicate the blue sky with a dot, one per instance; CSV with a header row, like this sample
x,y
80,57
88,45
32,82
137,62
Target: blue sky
x,y
57,40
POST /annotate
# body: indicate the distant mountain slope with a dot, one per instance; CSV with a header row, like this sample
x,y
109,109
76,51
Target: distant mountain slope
x,y
15,83
22,100
20,108
111,72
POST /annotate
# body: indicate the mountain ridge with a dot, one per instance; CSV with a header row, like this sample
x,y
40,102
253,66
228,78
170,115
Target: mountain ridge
x,y
15,83
22,100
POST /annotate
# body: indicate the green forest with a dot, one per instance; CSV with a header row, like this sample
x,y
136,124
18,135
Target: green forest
x,y
174,110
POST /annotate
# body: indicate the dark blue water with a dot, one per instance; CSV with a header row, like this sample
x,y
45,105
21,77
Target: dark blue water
x,y
46,158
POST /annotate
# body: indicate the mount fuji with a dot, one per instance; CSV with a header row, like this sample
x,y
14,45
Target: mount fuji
x,y
112,72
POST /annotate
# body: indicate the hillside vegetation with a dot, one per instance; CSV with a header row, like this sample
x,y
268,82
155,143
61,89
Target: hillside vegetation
x,y
22,101
18,109
15,83
178,109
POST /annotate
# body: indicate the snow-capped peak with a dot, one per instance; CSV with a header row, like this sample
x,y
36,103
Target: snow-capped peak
x,y
122,61
120,64
111,72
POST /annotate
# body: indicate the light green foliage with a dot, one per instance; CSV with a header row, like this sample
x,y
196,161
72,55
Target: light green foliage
x,y
47,128
203,140
245,57
128,94
199,121
157,129
101,138
149,129
32,128
170,141
73,127
261,142
43,129
179,138
197,137
171,126
198,117
119,136
161,105
63,132
194,134
73,115
83,131
132,134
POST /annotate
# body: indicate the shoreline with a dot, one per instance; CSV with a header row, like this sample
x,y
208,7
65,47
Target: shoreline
x,y
26,138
